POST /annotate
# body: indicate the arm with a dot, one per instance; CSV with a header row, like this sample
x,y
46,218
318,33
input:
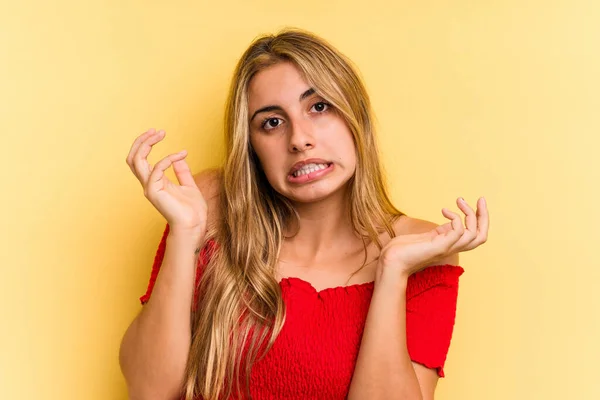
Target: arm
x,y
155,347
383,368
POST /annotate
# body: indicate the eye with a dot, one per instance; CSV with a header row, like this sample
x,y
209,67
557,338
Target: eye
x,y
321,106
270,123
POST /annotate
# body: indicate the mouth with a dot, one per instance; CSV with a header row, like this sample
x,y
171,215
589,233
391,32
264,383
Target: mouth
x,y
307,166
309,170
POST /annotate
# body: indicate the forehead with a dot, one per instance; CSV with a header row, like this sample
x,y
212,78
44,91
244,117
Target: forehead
x,y
280,84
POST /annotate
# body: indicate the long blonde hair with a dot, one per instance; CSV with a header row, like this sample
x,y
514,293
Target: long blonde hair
x,y
240,311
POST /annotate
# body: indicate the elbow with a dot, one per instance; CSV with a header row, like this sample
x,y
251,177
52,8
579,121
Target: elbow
x,y
142,381
388,395
142,386
151,393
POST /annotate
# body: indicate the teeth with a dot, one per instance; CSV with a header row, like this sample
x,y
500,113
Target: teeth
x,y
308,168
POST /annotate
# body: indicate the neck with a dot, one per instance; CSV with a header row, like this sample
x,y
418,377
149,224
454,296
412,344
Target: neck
x,y
321,226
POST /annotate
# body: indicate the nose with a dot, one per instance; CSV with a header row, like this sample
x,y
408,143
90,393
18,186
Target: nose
x,y
301,137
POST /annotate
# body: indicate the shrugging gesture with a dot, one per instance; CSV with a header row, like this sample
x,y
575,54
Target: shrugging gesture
x,y
407,254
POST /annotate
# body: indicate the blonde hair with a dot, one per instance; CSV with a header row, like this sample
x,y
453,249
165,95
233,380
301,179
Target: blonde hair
x,y
240,311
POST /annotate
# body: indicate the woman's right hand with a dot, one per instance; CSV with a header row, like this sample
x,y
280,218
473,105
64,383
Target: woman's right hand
x,y
183,205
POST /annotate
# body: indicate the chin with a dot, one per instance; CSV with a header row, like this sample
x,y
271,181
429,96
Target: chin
x,y
313,193
308,198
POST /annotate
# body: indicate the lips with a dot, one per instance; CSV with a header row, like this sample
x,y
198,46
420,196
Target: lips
x,y
302,163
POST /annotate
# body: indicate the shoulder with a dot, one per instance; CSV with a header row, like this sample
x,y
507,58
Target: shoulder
x,y
209,181
409,226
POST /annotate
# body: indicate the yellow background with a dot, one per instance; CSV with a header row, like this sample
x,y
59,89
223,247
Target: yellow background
x,y
493,98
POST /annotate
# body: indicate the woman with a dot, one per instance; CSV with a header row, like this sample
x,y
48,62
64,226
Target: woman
x,y
310,283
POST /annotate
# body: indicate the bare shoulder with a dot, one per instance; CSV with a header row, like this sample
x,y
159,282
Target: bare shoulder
x,y
209,183
406,225
410,226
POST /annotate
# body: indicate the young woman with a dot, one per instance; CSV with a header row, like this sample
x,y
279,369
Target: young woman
x,y
288,273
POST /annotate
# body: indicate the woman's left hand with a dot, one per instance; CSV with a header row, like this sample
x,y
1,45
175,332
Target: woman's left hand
x,y
407,254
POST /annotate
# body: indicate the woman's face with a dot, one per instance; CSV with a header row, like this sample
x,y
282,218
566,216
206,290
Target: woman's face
x,y
304,146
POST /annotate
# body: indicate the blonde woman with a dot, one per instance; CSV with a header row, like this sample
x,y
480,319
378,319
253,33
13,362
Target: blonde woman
x,y
288,273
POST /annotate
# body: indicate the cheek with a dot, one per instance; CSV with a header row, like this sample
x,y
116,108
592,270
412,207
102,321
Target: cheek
x,y
260,148
268,156
344,145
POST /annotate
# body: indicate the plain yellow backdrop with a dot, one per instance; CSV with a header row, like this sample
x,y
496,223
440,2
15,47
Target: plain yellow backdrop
x,y
473,98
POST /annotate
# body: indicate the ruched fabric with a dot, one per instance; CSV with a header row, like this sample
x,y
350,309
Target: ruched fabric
x,y
314,355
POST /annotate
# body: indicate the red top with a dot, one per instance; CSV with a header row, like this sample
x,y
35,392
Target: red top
x,y
315,353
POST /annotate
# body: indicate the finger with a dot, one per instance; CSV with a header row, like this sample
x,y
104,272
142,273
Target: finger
x,y
483,220
470,231
470,221
442,229
457,227
183,173
158,172
136,144
482,226
140,159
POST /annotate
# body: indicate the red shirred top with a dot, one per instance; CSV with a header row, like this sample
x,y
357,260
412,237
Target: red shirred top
x,y
315,353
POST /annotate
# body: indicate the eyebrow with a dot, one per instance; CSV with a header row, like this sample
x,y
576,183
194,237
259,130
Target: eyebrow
x,y
303,96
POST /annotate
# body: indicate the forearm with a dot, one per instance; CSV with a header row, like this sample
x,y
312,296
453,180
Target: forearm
x,y
155,348
383,368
